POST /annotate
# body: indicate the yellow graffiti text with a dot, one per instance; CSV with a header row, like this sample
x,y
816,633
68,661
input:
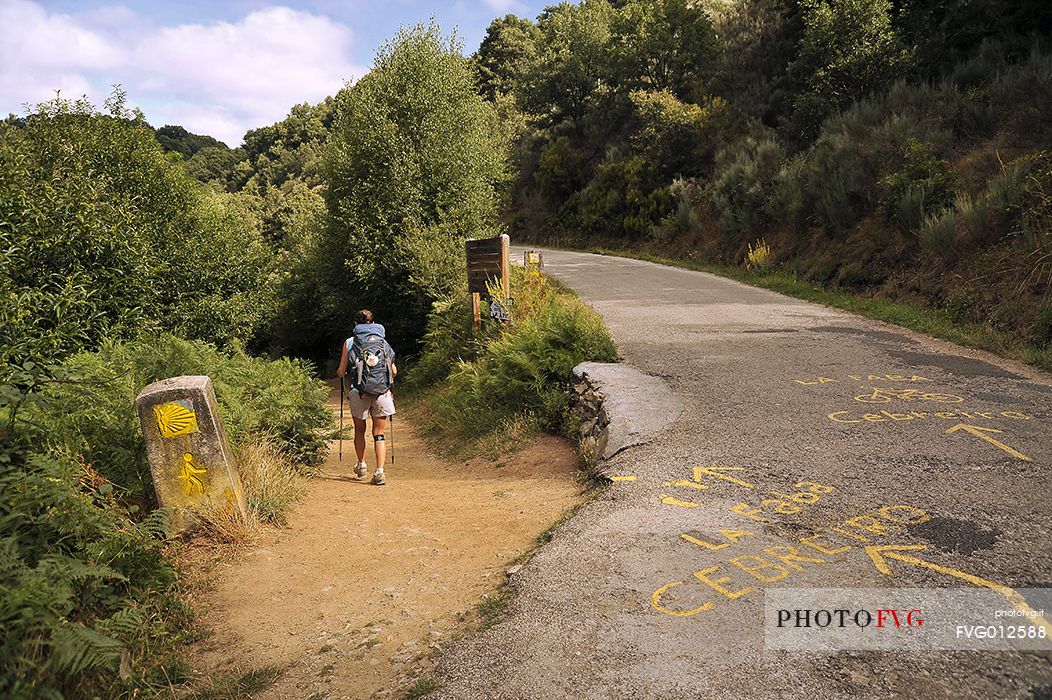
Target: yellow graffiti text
x,y
748,572
655,602
864,377
904,417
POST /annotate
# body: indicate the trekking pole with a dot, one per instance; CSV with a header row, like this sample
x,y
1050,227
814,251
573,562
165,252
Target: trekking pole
x,y
341,419
392,437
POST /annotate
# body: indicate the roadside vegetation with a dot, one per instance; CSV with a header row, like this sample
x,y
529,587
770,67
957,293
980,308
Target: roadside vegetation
x,y
130,255
896,152
492,391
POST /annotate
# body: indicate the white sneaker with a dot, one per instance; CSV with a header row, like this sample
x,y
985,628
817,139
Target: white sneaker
x,y
378,478
360,469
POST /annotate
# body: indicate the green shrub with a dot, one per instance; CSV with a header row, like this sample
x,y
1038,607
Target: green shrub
x,y
961,307
1011,204
922,187
257,398
559,170
447,342
938,233
676,137
622,200
684,219
523,369
83,586
745,176
104,236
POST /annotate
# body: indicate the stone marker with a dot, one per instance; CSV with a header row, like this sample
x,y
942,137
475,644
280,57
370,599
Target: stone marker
x,y
190,460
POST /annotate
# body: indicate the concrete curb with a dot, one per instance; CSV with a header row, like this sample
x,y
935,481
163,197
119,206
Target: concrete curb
x,y
621,407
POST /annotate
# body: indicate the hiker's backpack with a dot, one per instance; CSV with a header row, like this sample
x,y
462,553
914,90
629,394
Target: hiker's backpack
x,y
372,364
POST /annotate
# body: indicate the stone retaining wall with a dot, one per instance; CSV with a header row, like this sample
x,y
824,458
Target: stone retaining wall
x,y
588,407
615,405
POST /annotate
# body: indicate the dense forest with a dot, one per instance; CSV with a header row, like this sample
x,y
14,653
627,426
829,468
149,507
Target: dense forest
x,y
878,147
896,149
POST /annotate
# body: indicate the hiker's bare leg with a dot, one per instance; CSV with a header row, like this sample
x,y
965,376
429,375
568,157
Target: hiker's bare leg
x,y
379,426
359,438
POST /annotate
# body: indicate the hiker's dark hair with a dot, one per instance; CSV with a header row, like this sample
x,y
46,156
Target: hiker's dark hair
x,y
363,316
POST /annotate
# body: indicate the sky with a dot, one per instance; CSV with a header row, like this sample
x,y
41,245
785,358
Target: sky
x,y
216,68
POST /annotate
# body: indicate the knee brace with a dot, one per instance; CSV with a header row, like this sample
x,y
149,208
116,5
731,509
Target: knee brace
x,y
378,438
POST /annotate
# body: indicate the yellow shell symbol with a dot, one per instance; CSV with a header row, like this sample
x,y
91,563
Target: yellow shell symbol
x,y
175,418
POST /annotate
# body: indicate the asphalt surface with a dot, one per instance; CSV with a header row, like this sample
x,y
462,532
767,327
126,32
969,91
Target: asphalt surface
x,y
800,399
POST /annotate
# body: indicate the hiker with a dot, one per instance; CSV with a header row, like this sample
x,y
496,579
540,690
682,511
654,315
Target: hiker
x,y
371,361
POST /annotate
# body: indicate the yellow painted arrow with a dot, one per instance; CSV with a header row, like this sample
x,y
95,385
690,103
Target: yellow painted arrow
x,y
981,433
673,501
881,553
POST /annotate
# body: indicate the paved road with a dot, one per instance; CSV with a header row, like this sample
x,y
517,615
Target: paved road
x,y
838,430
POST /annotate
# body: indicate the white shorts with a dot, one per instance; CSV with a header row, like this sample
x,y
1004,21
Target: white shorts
x,y
376,406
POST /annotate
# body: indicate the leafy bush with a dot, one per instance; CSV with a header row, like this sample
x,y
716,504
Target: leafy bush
x,y
1010,203
938,233
677,137
684,219
922,187
622,200
85,590
96,414
559,170
746,172
523,369
104,236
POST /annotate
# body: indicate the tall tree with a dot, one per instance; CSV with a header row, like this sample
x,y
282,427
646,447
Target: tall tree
x,y
572,60
663,45
849,50
506,53
411,174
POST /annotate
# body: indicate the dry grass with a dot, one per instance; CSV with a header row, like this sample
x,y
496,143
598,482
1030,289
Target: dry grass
x,y
513,434
272,484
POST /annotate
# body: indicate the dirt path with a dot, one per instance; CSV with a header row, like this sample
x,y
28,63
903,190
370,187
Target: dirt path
x,y
366,583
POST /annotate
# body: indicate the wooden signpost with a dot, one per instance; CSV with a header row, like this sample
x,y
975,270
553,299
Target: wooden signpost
x,y
487,260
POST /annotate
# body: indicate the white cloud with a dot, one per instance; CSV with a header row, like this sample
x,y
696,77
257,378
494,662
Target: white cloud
x,y
220,79
505,6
